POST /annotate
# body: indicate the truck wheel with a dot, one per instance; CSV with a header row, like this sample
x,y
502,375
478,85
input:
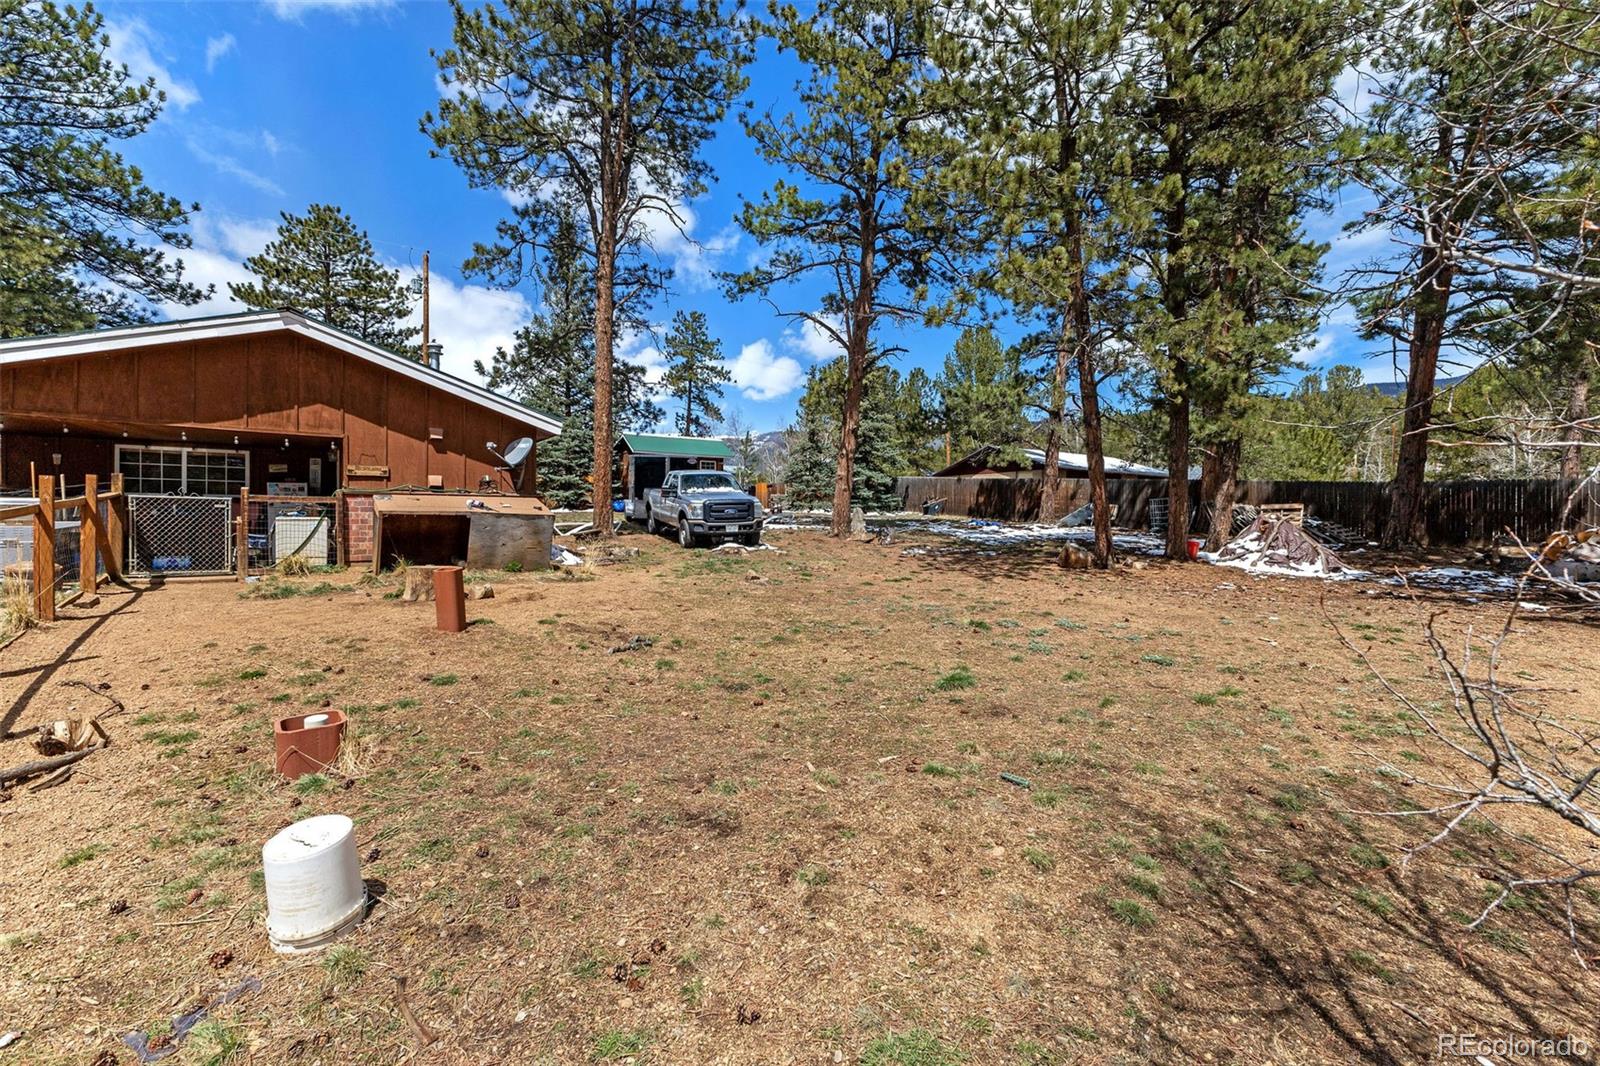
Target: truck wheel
x,y
752,540
685,536
650,524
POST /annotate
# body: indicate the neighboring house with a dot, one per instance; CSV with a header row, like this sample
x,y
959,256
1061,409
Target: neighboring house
x,y
646,458
269,401
988,462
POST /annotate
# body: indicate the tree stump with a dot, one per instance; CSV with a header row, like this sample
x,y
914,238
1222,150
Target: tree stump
x,y
419,584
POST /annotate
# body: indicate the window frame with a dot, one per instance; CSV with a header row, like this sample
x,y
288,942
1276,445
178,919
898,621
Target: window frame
x,y
137,452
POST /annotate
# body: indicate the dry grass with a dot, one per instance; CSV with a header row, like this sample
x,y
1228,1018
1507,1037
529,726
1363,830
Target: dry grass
x,y
296,565
780,830
16,608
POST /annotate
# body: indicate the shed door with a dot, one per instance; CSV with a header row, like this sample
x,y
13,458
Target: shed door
x,y
648,473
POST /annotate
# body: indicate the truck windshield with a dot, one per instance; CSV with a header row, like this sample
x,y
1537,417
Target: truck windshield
x,y
705,482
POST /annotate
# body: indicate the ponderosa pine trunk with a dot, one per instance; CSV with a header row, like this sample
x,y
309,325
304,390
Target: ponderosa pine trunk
x,y
1066,153
1095,452
849,426
1175,300
1222,492
1407,523
857,341
1178,464
1572,461
604,305
1088,393
1054,415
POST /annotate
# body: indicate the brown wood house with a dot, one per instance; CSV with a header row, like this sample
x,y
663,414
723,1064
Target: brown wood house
x,y
213,405
269,401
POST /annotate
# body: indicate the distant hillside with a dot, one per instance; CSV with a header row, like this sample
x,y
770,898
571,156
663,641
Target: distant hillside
x,y
772,448
1395,389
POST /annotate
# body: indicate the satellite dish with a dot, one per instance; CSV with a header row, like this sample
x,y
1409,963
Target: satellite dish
x,y
518,450
515,455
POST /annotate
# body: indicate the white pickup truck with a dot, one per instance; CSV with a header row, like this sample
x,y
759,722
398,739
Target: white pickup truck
x,y
703,505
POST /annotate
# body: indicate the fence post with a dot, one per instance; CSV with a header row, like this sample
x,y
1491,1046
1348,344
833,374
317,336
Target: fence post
x,y
88,539
241,546
116,529
341,555
44,551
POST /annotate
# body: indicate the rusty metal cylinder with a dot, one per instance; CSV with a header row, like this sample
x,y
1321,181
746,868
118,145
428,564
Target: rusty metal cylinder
x,y
450,598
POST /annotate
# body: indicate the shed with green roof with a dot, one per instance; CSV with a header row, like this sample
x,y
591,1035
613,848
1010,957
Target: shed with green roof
x,y
647,458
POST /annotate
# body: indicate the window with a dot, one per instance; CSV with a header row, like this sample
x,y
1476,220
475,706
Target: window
x,y
708,464
191,471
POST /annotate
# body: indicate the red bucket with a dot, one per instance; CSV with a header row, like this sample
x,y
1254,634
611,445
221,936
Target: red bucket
x,y
307,749
1195,544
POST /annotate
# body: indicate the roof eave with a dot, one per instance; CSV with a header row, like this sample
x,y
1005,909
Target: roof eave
x,y
32,349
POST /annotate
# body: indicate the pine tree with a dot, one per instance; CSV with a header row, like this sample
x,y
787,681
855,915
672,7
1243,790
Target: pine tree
x,y
695,373
814,441
919,423
551,369
852,143
319,263
747,459
606,105
983,393
1478,111
1033,86
80,231
1233,127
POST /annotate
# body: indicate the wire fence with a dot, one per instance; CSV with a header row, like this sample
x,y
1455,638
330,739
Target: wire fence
x,y
281,527
180,534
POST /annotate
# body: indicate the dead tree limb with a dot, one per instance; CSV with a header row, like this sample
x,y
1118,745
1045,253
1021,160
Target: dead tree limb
x,y
117,706
1506,753
423,1034
43,766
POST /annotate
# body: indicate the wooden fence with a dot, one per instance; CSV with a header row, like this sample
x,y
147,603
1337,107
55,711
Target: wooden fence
x,y
1458,512
102,538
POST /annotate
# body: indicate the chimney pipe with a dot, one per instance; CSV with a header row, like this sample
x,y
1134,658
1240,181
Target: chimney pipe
x,y
435,353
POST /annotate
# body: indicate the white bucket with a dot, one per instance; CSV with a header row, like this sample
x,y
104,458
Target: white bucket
x,y
314,889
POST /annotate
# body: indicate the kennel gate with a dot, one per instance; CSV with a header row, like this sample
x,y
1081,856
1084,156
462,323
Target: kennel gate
x,y
181,534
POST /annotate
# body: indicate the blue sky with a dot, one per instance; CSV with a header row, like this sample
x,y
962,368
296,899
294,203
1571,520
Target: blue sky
x,y
278,104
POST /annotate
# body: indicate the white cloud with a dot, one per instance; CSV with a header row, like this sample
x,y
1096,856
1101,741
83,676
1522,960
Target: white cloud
x,y
1322,349
227,164
134,44
640,350
216,48
694,261
763,374
271,143
293,10
471,321
807,338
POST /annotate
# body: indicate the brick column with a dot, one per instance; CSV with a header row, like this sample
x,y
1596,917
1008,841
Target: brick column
x,y
358,529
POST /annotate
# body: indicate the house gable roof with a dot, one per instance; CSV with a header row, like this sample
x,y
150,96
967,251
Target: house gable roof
x,y
1072,462
682,447
101,341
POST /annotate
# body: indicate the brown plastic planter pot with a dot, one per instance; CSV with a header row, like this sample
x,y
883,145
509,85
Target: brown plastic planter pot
x,y
307,750
450,599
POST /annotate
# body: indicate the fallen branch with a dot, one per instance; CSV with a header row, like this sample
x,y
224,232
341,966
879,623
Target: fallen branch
x,y
423,1034
43,766
60,777
116,708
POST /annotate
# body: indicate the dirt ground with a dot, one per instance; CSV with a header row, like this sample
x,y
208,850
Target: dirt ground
x,y
778,833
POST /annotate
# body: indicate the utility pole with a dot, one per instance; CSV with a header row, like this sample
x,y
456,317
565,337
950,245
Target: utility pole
x,y
426,336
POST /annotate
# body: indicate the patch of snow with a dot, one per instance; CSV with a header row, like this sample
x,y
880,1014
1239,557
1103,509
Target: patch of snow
x,y
999,534
731,548
1255,565
1456,579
